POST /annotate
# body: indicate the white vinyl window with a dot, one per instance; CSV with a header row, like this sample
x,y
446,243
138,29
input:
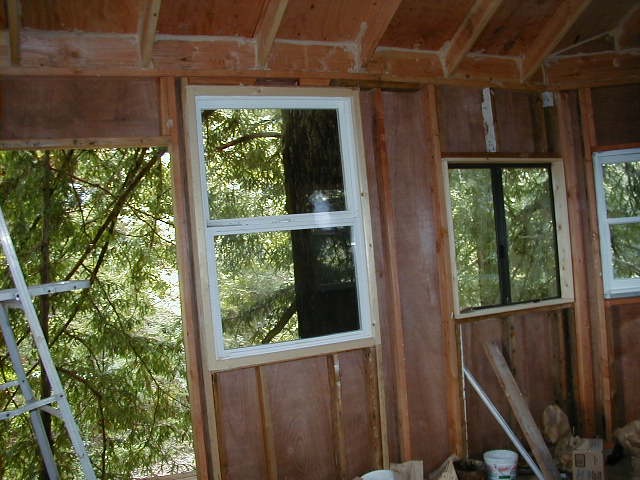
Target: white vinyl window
x,y
283,203
617,179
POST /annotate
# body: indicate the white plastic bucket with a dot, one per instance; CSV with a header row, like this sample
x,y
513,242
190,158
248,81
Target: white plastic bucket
x,y
501,464
379,475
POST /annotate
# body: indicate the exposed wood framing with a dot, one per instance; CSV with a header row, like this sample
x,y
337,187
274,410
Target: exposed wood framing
x,y
199,381
267,29
601,328
335,387
378,419
374,26
584,370
148,31
472,26
594,70
388,222
84,143
445,280
557,26
13,19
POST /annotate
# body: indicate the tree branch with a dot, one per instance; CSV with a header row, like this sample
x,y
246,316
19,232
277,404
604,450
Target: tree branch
x,y
247,138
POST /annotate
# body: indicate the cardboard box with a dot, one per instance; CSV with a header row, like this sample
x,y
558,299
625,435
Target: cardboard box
x,y
588,461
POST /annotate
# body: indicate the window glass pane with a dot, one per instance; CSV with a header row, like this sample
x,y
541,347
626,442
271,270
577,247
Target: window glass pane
x,y
625,243
621,182
263,162
531,234
475,238
281,286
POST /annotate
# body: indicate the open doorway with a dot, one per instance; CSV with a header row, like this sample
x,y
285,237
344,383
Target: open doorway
x,y
103,215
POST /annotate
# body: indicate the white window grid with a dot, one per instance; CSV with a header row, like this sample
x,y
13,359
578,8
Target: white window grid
x,y
613,286
352,217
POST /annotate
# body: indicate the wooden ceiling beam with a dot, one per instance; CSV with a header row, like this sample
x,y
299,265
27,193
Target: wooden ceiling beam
x,y
267,28
373,27
14,22
551,34
465,37
148,31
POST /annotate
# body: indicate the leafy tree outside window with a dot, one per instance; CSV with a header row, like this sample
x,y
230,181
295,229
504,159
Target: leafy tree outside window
x,y
617,178
504,234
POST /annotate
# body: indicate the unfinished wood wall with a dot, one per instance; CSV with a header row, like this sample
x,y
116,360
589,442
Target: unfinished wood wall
x,y
321,418
616,121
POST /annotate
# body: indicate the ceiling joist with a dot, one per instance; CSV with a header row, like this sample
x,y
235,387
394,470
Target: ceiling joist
x,y
550,35
472,26
373,27
148,31
267,28
13,19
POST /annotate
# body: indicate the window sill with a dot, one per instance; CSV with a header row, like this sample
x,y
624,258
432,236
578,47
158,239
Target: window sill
x,y
505,311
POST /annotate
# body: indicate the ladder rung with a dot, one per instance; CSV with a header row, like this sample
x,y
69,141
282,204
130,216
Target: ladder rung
x,y
51,411
10,295
8,414
8,385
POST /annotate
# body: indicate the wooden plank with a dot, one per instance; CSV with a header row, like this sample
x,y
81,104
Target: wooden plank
x,y
73,107
460,119
267,425
571,149
94,142
148,32
468,32
627,35
522,412
267,29
377,417
601,328
373,26
388,221
598,69
335,386
547,39
445,277
14,23
199,382
616,115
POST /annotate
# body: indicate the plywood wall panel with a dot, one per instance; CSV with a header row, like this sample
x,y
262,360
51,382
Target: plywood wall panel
x,y
625,325
358,414
460,116
415,236
617,114
78,107
240,432
520,123
300,402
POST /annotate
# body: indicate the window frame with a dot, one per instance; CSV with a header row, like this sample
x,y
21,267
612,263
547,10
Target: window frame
x,y
563,242
613,287
356,216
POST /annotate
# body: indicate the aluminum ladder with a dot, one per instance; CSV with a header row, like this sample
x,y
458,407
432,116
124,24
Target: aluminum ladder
x,y
57,404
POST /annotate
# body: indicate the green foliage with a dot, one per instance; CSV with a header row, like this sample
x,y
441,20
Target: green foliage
x,y
530,234
103,215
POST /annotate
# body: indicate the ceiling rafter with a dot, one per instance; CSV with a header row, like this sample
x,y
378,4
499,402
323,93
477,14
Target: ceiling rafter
x,y
465,37
551,34
267,28
373,28
148,31
14,21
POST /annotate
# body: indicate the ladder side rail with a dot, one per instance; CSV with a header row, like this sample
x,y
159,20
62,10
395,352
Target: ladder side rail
x,y
43,349
27,392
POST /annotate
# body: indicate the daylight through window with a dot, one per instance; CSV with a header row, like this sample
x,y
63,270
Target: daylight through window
x,y
617,175
505,240
284,230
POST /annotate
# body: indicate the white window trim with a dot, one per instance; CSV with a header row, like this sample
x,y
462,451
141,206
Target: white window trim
x,y
613,287
356,216
562,234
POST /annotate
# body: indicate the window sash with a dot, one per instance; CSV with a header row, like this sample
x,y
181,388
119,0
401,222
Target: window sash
x,y
613,286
